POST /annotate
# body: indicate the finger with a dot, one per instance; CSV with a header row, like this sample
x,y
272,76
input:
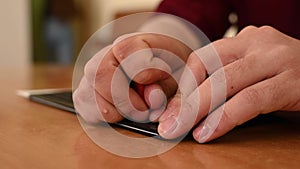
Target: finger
x,y
205,61
175,124
156,100
240,74
91,106
170,85
126,101
150,57
222,84
85,102
263,97
130,44
156,95
221,53
84,96
91,67
195,72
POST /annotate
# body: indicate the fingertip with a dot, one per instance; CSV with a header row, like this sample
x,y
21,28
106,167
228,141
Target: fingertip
x,y
175,122
208,129
82,97
172,109
201,133
166,128
215,125
154,96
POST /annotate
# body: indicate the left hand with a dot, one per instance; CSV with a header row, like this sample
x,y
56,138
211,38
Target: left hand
x,y
105,92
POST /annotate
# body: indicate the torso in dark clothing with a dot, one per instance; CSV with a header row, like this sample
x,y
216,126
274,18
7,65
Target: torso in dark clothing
x,y
211,16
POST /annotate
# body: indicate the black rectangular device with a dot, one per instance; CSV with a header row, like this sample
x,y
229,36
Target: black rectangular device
x,y
63,100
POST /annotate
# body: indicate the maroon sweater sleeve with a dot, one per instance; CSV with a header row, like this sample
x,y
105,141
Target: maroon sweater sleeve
x,y
210,16
282,15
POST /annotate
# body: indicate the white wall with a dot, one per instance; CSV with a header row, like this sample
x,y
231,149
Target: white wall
x,y
15,44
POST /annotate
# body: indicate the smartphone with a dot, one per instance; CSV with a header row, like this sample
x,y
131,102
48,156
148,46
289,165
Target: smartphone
x,y
62,99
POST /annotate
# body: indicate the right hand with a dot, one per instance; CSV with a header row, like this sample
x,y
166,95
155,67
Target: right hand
x,y
140,62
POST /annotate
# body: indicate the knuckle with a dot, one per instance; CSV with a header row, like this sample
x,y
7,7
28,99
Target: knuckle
x,y
229,118
269,34
123,39
263,99
144,77
89,70
266,29
218,79
248,29
129,43
99,74
252,96
93,73
258,32
76,97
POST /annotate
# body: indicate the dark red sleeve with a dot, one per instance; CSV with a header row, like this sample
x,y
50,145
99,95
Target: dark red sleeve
x,y
282,15
210,16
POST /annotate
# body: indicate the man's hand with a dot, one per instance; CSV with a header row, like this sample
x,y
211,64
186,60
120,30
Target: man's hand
x,y
262,75
131,77
261,69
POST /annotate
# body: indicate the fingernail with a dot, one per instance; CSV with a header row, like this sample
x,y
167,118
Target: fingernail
x,y
204,133
157,98
154,116
168,126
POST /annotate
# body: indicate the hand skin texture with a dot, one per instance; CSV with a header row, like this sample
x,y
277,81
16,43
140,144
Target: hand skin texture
x,y
262,72
153,82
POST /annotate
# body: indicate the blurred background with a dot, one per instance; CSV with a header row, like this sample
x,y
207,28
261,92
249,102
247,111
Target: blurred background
x,y
54,31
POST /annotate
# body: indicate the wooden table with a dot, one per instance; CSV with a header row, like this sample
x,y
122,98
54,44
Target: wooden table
x,y
37,136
